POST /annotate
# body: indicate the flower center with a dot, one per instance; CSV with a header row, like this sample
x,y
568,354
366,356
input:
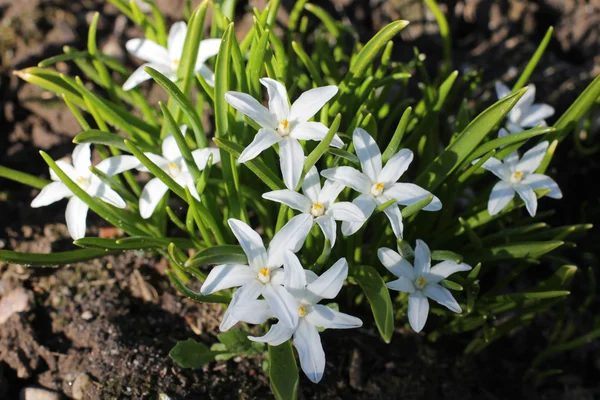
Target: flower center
x,y
377,189
174,170
263,275
420,282
175,64
301,311
317,210
284,128
83,182
516,177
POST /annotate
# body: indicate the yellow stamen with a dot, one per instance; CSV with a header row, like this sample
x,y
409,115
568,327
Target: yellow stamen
x,y
264,272
377,189
317,210
285,124
516,177
422,281
301,311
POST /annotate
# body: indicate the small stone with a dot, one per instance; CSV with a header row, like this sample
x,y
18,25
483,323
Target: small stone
x,y
33,393
16,301
87,315
81,386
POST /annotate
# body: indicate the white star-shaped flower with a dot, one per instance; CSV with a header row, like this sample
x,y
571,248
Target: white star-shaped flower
x,y
308,289
524,114
421,282
166,60
263,275
378,184
284,125
172,163
518,175
79,172
319,203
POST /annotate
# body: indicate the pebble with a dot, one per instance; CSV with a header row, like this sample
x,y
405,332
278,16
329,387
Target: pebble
x,y
34,393
87,315
80,386
16,301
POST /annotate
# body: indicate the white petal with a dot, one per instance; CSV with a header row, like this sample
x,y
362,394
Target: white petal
x,y
532,158
409,193
278,98
282,303
208,48
207,74
66,168
540,181
185,179
264,139
395,167
118,164
201,156
442,296
76,215
310,351
444,269
346,211
310,102
250,291
290,198
290,237
502,193
278,334
501,90
106,194
402,284
140,75
154,190
368,153
502,133
52,192
526,101
422,258
328,227
350,177
331,190
511,160
418,309
82,159
324,317
227,276
329,284
160,162
395,263
527,194
395,217
311,185
496,167
537,114
291,161
314,131
170,150
176,40
252,311
147,50
367,205
295,278
249,106
251,242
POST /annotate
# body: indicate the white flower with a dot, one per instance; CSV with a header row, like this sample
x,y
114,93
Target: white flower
x,y
307,289
379,185
519,176
421,282
263,275
79,172
524,114
172,163
284,125
319,203
166,60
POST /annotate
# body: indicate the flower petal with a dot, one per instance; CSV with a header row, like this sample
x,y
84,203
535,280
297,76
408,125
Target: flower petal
x,y
252,312
140,75
537,114
290,198
314,131
350,177
176,40
409,193
208,48
118,164
367,205
294,277
82,159
152,193
368,153
311,185
527,194
395,167
329,284
227,276
282,303
278,334
395,263
291,161
250,291
264,139
328,227
310,351
51,193
402,284
207,74
442,296
170,150
394,216
160,162
148,50
324,317
66,168
251,242
540,181
496,167
502,193
441,271
331,190
201,156
418,310
249,106
310,102
422,258
278,98
76,215
290,237
501,90
346,211
532,158
106,194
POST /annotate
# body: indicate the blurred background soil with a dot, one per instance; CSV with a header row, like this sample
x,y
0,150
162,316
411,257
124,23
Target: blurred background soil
x,y
103,329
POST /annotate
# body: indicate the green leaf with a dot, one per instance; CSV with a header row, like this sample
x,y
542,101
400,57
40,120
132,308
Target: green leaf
x,y
283,372
445,33
455,154
97,136
417,206
197,297
379,297
254,68
56,258
235,340
189,55
560,279
323,146
508,140
394,145
446,255
531,250
191,354
224,254
526,74
344,154
22,177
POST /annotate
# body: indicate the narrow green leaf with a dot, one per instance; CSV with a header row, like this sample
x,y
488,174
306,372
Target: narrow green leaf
x,y
197,297
446,255
379,297
56,258
97,136
514,251
508,140
526,74
283,372
322,147
344,154
394,145
224,254
22,177
416,207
